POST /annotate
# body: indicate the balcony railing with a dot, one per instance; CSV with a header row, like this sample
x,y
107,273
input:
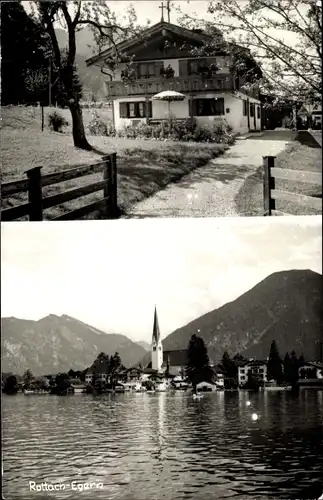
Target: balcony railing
x,y
179,84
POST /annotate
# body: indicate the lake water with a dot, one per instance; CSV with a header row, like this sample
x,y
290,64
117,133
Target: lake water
x,y
164,446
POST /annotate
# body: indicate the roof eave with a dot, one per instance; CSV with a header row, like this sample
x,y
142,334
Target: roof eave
x,y
150,31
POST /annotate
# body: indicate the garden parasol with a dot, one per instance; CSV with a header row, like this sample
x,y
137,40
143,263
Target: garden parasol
x,y
169,96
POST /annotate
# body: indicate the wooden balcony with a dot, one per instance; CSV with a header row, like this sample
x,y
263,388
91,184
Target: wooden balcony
x,y
151,86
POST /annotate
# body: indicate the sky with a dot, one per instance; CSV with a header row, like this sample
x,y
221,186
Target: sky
x,y
149,9
111,274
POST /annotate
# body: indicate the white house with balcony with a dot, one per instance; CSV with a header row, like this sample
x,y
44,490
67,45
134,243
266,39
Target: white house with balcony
x,y
163,60
258,371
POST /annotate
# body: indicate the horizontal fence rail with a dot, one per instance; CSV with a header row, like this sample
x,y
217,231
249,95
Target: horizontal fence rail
x,y
271,194
37,203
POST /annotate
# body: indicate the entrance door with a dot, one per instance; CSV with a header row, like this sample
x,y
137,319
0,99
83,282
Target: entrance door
x,y
254,116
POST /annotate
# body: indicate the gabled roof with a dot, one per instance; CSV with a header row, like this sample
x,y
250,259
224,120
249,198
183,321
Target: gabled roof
x,y
313,364
254,362
149,33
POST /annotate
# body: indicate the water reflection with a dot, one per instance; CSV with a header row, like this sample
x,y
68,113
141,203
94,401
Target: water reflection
x,y
166,445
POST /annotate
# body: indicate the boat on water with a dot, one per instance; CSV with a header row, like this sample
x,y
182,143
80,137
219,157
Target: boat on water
x,y
39,393
197,396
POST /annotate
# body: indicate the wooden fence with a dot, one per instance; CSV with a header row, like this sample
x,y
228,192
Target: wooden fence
x,y
37,204
271,194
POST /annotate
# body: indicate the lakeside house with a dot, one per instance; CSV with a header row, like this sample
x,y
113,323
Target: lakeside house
x,y
311,375
163,60
77,386
206,387
257,368
311,370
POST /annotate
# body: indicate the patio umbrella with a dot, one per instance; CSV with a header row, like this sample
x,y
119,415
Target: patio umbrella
x,y
169,96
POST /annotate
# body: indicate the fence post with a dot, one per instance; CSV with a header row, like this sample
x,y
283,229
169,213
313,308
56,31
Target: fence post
x,y
269,184
113,185
106,177
35,194
110,189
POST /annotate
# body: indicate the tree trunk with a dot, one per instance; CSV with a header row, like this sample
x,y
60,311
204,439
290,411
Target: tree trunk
x,y
79,137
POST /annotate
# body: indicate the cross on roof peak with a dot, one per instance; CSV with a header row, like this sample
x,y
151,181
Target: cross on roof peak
x,y
166,7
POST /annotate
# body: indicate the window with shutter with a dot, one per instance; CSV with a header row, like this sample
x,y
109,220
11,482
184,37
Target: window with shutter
x,y
141,109
183,67
159,66
192,107
148,109
219,106
123,110
244,107
210,107
134,109
258,112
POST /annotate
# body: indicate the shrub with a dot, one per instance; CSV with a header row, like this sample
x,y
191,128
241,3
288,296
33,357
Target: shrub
x,y
287,122
56,122
97,126
185,131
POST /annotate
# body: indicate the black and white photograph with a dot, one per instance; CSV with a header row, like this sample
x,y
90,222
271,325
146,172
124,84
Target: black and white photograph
x,y
163,339
117,109
162,359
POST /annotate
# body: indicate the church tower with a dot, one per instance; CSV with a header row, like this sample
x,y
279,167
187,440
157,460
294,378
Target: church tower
x,y
156,346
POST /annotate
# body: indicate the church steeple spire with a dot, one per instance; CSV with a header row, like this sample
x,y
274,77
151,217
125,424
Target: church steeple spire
x,y
156,345
156,332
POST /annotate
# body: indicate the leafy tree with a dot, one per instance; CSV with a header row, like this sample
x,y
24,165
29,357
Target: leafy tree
x,y
198,366
301,361
95,377
284,36
22,45
114,368
11,385
40,384
62,384
28,379
294,375
73,16
287,367
274,366
239,358
229,366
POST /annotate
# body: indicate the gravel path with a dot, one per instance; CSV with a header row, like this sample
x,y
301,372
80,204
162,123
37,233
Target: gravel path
x,y
210,191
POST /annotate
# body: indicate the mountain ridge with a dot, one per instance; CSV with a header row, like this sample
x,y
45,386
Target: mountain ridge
x,y
68,343
229,327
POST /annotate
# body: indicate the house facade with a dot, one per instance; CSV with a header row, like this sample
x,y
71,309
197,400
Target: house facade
x,y
258,371
311,370
163,60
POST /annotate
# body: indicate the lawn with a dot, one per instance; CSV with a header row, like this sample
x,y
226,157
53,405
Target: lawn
x,y
143,166
301,154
